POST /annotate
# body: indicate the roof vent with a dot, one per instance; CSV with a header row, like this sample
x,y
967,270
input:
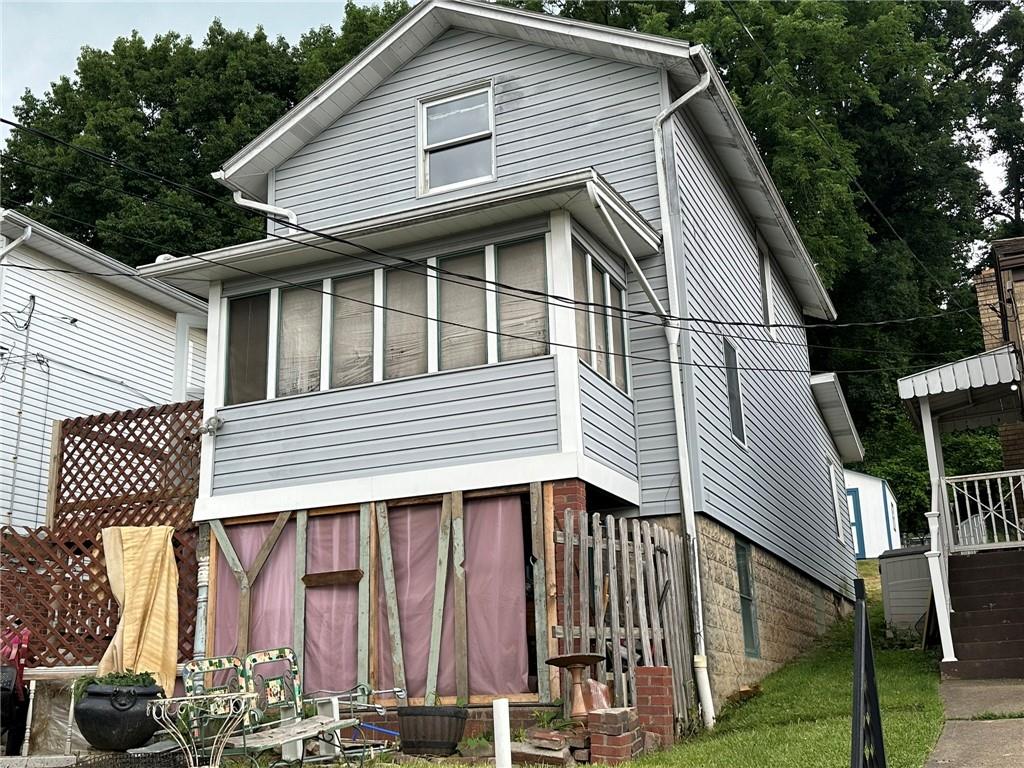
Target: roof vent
x,y
163,258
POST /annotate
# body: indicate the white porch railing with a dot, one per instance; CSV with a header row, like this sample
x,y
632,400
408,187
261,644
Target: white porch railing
x,y
984,511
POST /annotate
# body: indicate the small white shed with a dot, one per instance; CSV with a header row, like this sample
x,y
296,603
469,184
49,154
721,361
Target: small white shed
x,y
873,519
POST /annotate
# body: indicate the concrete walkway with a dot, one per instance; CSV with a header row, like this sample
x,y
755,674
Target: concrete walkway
x,y
975,736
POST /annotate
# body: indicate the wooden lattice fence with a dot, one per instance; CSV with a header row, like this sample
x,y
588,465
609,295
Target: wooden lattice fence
x,y
137,467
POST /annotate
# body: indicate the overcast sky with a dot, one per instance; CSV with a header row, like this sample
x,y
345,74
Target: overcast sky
x,y
40,40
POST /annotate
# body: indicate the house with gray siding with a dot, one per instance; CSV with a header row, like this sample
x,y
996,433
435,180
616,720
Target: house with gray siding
x,y
512,253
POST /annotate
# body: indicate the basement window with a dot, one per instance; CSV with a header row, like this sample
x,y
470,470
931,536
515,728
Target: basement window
x,y
748,609
456,140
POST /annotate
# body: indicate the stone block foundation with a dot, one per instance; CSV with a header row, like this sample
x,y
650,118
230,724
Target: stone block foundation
x,y
791,611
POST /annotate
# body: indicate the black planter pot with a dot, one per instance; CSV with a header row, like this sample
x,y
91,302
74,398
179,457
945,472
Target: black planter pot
x,y
114,718
431,730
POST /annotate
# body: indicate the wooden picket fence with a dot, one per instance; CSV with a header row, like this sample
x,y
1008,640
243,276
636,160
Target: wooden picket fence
x,y
138,467
624,594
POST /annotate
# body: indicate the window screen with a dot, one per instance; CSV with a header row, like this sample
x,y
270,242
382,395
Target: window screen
x,y
580,279
298,344
462,301
618,323
748,609
600,321
248,333
522,317
732,381
405,323
352,331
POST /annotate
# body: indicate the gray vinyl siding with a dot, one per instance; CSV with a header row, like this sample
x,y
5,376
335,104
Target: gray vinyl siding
x,y
118,355
609,429
652,396
777,490
494,412
554,112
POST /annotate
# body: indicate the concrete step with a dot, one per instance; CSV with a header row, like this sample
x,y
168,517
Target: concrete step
x,y
981,617
992,650
989,601
1004,583
983,670
986,559
987,633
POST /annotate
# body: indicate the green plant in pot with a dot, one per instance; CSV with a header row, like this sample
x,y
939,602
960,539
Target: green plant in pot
x,y
432,729
110,710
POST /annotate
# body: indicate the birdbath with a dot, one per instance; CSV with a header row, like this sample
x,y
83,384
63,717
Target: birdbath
x,y
576,663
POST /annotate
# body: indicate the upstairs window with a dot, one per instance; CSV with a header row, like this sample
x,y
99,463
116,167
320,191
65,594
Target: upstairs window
x,y
248,332
601,327
405,322
462,310
352,331
735,394
456,139
522,317
298,341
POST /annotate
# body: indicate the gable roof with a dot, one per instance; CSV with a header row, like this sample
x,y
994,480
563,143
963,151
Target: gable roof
x,y
247,171
80,257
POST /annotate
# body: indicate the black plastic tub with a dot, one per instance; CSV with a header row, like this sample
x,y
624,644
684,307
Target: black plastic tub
x,y
431,730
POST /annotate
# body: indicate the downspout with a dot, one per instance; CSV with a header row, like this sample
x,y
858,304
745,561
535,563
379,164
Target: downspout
x,y
672,333
25,235
275,210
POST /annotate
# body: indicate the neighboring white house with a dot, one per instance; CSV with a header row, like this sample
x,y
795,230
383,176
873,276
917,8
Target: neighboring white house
x,y
873,519
73,344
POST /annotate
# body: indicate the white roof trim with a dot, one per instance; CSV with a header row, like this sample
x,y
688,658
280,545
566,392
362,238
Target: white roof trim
x,y
828,394
80,257
996,366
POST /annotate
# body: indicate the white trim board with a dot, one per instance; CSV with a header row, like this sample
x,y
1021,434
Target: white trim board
x,y
424,482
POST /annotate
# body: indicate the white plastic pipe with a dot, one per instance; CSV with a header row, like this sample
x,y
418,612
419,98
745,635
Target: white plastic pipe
x,y
672,331
275,210
502,734
25,235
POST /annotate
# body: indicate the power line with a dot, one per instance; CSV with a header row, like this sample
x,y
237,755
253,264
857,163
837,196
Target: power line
x,y
418,266
850,175
307,286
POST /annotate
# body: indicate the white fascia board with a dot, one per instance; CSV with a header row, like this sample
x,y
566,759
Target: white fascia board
x,y
828,394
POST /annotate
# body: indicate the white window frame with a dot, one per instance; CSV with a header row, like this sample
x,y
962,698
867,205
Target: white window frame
x,y
611,283
739,391
423,150
768,313
835,477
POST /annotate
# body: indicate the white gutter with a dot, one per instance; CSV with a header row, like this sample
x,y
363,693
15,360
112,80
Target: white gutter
x,y
672,332
25,235
242,202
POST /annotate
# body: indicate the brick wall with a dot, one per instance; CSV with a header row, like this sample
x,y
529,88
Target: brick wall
x,y
654,702
1011,436
792,611
615,735
568,497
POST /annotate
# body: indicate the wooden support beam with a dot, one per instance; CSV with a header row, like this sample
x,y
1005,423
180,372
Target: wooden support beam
x,y
211,600
550,564
627,610
372,598
613,588
444,534
390,595
639,555
461,617
540,592
53,486
333,578
299,601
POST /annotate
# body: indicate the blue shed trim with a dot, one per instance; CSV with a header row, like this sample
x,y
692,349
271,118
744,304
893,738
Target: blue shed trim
x,y
853,494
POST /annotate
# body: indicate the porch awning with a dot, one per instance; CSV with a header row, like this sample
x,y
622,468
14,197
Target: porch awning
x,y
969,393
828,395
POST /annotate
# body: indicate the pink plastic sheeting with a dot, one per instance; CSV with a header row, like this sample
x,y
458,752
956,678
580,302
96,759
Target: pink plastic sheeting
x,y
332,613
272,597
495,598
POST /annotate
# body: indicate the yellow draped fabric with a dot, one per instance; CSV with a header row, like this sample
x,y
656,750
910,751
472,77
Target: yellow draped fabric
x,y
144,580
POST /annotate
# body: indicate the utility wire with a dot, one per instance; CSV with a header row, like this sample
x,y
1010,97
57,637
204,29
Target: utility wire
x,y
850,175
419,266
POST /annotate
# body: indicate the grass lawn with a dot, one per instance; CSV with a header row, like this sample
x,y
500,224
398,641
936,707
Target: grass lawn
x,y
802,717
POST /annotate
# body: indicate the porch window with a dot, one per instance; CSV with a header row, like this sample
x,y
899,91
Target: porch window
x,y
248,333
601,327
352,331
405,322
298,344
522,317
456,137
462,312
748,609
735,395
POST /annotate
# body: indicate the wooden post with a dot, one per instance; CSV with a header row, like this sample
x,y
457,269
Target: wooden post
x,y
299,602
374,607
613,590
211,601
584,578
627,610
440,582
601,645
639,556
391,597
540,592
554,680
657,626
53,486
461,617
363,617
